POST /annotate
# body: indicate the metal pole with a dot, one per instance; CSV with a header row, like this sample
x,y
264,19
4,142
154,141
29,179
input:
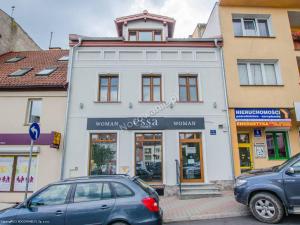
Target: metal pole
x,y
28,169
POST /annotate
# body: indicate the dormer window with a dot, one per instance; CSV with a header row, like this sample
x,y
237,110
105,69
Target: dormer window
x,y
145,35
15,59
132,36
46,71
20,72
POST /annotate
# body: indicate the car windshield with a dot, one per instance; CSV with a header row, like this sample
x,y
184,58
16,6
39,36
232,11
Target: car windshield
x,y
280,167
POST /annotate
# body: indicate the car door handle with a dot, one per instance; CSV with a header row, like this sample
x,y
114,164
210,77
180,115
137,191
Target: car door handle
x,y
59,212
104,207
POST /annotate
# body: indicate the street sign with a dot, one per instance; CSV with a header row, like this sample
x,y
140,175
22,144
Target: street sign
x,y
257,133
213,132
34,131
55,140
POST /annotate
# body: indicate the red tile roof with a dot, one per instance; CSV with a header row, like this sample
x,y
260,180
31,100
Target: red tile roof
x,y
38,60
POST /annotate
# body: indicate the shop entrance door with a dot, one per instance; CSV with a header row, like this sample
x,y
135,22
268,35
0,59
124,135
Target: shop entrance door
x,y
191,158
245,152
148,157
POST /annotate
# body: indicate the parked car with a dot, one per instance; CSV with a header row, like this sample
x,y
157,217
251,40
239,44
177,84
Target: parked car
x,y
110,199
271,193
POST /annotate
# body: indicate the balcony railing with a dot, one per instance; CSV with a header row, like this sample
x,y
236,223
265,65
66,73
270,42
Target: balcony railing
x,y
296,38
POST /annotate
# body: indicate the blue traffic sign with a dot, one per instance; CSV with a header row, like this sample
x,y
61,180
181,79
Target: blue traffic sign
x,y
213,132
34,131
257,133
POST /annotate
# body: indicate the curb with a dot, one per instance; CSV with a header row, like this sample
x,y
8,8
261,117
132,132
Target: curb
x,y
206,217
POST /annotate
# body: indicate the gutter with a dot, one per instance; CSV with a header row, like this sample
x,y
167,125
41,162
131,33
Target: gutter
x,y
226,105
69,78
215,40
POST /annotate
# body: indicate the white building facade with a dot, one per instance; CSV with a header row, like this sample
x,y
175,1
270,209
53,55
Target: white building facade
x,y
139,102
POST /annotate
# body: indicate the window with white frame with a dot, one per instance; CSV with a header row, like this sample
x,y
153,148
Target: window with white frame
x,y
34,111
258,73
251,25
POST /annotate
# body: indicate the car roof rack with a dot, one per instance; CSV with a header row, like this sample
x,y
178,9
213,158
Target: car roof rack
x,y
91,177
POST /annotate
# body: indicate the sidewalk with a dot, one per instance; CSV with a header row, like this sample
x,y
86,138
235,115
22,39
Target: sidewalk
x,y
5,205
176,210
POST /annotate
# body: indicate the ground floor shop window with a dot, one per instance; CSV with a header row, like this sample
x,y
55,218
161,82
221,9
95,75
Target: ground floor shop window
x,y
148,156
277,143
191,157
13,173
103,154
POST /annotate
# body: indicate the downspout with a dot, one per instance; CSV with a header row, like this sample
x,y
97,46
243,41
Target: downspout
x,y
226,104
69,78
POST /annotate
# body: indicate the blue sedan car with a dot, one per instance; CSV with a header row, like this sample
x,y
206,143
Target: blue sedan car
x,y
94,200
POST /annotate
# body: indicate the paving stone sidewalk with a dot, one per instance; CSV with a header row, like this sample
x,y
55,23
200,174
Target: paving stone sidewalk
x,y
5,205
176,210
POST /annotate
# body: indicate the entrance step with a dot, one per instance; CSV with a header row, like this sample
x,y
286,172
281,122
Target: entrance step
x,y
192,191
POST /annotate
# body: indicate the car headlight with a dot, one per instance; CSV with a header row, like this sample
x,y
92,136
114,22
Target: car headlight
x,y
240,182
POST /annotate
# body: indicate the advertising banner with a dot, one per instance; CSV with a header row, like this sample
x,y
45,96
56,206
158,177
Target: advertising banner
x,y
21,174
145,123
262,117
6,167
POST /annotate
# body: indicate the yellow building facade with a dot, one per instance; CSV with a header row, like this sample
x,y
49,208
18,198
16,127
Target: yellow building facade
x,y
261,60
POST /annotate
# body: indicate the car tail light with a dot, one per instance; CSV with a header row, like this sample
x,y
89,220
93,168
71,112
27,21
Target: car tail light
x,y
151,204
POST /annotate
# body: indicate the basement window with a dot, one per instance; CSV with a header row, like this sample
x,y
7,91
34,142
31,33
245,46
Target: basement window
x,y
15,59
46,71
20,72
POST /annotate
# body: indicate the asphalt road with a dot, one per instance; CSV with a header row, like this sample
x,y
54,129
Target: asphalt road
x,y
247,220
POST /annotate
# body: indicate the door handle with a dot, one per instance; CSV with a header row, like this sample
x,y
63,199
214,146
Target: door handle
x,y
104,207
59,212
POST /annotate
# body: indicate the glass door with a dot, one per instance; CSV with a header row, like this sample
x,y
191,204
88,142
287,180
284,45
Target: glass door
x,y
191,158
246,163
148,157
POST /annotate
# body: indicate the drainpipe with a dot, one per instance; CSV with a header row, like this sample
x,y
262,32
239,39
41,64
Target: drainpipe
x,y
226,104
69,78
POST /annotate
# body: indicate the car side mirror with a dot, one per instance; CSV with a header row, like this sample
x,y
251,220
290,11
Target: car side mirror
x,y
290,171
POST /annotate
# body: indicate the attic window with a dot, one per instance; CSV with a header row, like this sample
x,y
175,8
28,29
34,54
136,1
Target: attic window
x,y
15,59
46,71
20,72
64,58
145,35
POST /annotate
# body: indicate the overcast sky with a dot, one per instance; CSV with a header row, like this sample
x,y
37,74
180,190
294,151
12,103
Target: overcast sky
x,y
96,17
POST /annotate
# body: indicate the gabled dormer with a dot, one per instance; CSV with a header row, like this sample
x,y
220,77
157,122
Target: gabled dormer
x,y
145,27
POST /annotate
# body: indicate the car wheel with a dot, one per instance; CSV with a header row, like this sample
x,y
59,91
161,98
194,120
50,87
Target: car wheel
x,y
266,208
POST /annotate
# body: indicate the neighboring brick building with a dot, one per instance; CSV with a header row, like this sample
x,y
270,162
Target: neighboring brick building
x,y
33,88
13,37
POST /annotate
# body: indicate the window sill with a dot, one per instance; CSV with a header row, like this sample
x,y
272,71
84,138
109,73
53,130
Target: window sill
x,y
262,85
107,102
263,37
152,102
193,102
280,159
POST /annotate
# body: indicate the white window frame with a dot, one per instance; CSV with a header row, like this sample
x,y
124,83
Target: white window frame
x,y
29,109
255,18
264,77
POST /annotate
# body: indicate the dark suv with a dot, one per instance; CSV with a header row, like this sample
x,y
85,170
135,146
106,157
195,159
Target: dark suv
x,y
105,200
271,193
